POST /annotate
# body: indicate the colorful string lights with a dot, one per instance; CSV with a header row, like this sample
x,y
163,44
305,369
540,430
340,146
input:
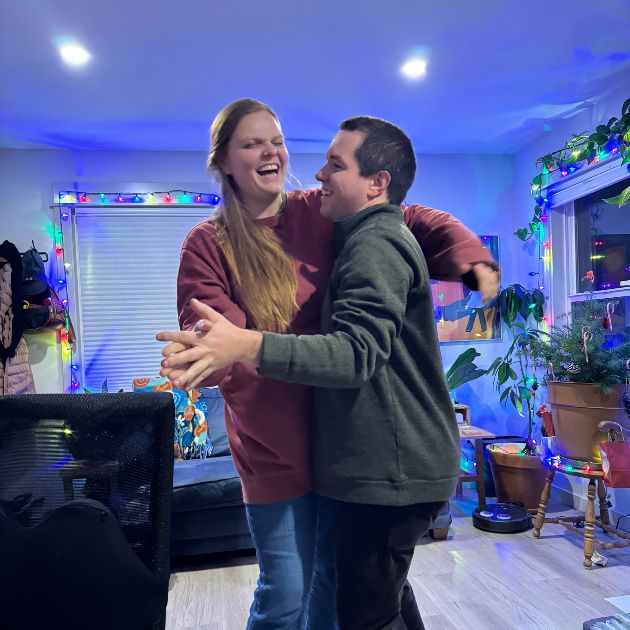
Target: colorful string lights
x,y
176,197
65,200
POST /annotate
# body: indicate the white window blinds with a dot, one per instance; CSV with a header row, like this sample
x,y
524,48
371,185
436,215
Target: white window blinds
x,y
127,261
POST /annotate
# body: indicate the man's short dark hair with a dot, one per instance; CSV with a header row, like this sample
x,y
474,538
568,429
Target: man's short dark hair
x,y
385,148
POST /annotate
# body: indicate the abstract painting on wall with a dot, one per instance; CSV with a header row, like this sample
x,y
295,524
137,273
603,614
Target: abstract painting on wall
x,y
459,312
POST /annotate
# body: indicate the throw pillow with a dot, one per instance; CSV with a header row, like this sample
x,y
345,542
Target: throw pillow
x,y
216,421
191,439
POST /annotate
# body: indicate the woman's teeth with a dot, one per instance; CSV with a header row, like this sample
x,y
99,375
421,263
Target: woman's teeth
x,y
269,169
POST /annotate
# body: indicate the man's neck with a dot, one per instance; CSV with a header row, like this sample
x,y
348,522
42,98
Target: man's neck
x,y
377,201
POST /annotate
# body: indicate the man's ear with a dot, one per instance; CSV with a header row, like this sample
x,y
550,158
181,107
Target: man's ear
x,y
380,184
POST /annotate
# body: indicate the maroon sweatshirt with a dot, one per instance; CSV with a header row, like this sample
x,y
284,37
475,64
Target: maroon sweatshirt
x,y
268,421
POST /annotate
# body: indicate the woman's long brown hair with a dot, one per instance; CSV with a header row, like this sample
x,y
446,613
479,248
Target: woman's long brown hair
x,y
261,267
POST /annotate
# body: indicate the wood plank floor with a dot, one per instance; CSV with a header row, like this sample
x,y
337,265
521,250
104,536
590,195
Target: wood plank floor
x,y
472,581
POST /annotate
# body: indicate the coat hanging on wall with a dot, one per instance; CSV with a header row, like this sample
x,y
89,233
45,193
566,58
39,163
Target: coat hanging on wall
x,y
16,376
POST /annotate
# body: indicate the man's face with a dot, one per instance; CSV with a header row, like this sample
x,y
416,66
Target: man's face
x,y
344,191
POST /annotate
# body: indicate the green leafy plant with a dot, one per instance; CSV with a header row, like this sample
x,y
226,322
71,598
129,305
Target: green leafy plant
x,y
583,349
620,200
463,370
515,372
612,138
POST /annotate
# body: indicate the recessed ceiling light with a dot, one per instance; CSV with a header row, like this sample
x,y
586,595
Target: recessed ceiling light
x,y
74,54
414,68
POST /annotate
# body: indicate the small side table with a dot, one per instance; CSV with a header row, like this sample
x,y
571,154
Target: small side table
x,y
595,479
476,435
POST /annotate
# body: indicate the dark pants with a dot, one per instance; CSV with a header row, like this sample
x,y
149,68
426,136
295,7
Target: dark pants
x,y
374,547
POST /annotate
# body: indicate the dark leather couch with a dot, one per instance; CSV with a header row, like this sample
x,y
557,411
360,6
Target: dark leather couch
x,y
208,513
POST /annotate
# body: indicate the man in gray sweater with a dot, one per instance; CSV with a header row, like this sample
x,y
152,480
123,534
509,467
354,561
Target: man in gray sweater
x,y
385,438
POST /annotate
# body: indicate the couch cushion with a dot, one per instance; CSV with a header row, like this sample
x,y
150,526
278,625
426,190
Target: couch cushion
x,y
201,497
194,471
206,484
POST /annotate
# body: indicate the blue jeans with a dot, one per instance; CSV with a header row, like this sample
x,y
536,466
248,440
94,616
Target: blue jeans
x,y
294,542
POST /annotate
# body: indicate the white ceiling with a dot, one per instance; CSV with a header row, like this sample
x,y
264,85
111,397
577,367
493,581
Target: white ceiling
x,y
499,71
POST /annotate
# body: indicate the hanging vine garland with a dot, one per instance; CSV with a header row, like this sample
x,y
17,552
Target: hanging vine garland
x,y
582,150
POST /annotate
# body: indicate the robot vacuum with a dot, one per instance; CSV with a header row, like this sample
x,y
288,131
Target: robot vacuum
x,y
501,518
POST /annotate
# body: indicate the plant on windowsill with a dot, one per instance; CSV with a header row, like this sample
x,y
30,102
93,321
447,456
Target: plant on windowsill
x,y
583,150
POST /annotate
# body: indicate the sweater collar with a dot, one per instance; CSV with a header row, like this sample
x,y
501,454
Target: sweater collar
x,y
344,228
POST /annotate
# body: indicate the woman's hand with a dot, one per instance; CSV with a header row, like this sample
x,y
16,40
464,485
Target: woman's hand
x,y
488,281
214,343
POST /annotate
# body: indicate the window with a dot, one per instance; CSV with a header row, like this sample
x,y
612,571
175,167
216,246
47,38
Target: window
x,y
125,288
588,234
602,240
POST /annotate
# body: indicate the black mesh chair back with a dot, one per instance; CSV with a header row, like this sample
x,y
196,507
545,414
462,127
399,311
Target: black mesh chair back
x,y
85,508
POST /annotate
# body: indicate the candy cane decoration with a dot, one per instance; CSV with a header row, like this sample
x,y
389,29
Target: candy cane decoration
x,y
610,309
587,336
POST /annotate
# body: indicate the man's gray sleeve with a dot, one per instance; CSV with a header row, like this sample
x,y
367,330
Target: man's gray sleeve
x,y
367,315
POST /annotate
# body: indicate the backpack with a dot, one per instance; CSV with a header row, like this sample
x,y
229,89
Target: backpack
x,y
42,306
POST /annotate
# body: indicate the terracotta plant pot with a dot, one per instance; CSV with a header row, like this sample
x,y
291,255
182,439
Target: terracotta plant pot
x,y
516,477
576,410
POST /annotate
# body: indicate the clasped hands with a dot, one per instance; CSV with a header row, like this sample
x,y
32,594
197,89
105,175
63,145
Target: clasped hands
x,y
214,343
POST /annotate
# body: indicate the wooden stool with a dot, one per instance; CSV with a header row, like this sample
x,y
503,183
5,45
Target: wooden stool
x,y
476,435
595,478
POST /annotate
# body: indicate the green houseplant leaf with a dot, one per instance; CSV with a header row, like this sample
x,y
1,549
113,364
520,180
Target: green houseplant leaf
x,y
621,199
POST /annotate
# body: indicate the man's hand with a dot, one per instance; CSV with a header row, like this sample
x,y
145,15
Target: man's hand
x,y
213,344
487,281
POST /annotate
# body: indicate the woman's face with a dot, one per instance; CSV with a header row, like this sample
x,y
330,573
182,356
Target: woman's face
x,y
257,158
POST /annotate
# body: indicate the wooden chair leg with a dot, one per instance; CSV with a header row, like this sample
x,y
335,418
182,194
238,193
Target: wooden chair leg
x,y
589,526
458,490
604,516
544,500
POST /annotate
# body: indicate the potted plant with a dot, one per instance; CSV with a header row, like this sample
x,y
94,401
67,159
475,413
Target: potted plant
x,y
587,370
517,471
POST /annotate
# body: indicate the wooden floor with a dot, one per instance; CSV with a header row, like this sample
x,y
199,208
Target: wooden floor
x,y
472,581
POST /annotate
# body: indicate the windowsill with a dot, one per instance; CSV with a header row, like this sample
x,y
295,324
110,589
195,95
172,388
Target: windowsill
x,y
601,295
